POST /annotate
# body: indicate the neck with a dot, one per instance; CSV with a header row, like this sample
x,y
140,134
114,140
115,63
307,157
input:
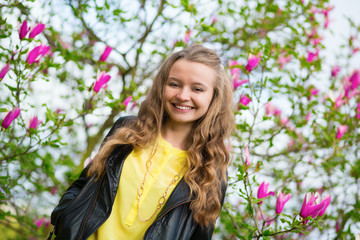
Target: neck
x,y
176,134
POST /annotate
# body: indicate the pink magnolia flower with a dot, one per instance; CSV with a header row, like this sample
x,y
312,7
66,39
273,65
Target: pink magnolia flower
x,y
234,70
339,100
247,157
313,92
214,20
9,118
127,100
245,100
337,225
253,61
23,30
101,79
36,30
105,54
284,121
355,50
326,201
327,22
308,116
335,70
36,54
59,110
282,60
355,79
53,190
281,200
341,130
316,41
263,191
311,208
39,222
187,36
237,82
312,56
34,123
272,110
4,71
42,222
326,11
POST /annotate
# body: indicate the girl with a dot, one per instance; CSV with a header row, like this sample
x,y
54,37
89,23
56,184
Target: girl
x,y
162,174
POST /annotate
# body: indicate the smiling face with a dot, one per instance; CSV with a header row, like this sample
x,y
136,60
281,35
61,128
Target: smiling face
x,y
188,92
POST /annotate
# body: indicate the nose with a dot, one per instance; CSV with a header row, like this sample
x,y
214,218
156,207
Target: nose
x,y
184,94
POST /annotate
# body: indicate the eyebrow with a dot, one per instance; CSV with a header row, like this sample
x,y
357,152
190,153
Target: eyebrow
x,y
195,83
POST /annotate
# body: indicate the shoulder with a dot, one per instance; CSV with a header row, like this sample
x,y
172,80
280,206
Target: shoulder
x,y
122,121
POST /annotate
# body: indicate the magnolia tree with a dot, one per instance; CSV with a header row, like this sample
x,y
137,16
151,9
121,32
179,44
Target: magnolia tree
x,y
68,70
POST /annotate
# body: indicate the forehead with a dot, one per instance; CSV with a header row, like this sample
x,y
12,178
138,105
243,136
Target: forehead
x,y
188,71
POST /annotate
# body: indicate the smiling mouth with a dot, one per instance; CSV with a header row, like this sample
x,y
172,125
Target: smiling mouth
x,y
182,107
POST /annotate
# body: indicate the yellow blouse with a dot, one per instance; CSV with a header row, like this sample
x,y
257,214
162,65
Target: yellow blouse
x,y
124,222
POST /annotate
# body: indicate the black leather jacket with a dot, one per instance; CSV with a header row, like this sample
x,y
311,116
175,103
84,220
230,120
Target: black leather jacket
x,y
87,204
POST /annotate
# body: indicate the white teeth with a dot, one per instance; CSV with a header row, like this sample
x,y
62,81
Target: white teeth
x,y
183,107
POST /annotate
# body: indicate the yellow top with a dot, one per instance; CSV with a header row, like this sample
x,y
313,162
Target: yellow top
x,y
124,222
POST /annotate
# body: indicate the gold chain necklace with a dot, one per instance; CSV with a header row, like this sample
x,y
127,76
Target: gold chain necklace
x,y
162,199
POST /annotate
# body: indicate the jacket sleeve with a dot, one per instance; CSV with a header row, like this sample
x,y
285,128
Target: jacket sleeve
x,y
207,231
78,185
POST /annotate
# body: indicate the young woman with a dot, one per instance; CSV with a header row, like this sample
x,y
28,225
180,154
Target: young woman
x,y
162,174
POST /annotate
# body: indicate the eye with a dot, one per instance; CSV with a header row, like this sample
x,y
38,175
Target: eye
x,y
173,84
198,89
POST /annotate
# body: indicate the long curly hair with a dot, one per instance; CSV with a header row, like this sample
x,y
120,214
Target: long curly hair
x,y
207,152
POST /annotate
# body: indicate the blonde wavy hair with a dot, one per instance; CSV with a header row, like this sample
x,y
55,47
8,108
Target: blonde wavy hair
x,y
207,151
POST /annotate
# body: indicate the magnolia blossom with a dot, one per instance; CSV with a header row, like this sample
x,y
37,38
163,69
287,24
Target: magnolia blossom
x,y
284,121
358,111
335,70
9,118
327,22
4,70
34,123
272,110
314,91
281,200
187,36
308,116
214,20
36,54
263,191
316,41
355,79
53,190
127,101
311,208
105,54
42,222
23,30
312,56
341,131
326,202
36,30
339,100
245,100
253,61
247,157
355,50
101,79
282,60
237,82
